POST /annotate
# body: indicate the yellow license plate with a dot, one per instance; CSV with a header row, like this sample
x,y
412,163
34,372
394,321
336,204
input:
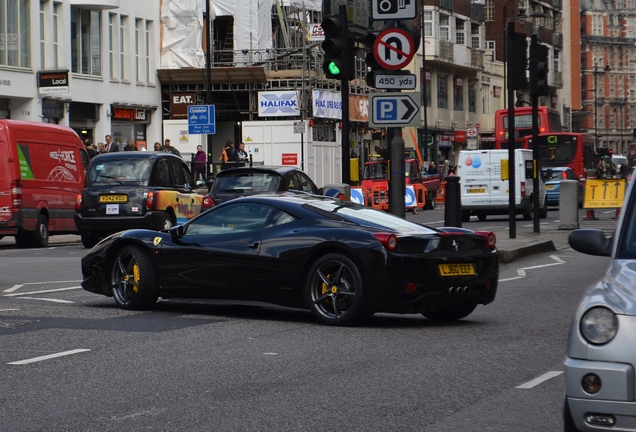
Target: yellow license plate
x,y
480,190
457,269
113,198
549,187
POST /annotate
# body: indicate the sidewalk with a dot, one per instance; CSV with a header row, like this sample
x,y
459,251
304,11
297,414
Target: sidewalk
x,y
527,242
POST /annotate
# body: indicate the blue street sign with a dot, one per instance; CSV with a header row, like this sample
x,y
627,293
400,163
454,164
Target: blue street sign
x,y
394,110
201,119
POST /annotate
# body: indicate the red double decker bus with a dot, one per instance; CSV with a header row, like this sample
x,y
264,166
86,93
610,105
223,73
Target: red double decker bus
x,y
549,121
567,149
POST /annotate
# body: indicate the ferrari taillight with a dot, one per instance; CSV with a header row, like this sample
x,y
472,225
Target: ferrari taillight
x,y
16,195
78,203
388,240
150,200
491,238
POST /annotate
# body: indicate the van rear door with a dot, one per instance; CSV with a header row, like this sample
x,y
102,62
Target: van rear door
x,y
5,182
500,189
476,176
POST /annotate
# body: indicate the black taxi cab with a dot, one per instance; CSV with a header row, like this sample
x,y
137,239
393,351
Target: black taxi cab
x,y
127,190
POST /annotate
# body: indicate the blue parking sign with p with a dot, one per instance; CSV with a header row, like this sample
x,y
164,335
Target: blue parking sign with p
x,y
386,109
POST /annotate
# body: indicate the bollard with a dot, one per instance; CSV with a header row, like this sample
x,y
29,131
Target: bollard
x,y
453,203
568,205
590,215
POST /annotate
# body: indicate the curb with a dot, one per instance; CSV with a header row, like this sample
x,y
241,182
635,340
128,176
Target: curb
x,y
506,257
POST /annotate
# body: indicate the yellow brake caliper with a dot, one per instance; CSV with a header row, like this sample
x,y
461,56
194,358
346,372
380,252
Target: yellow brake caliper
x,y
137,276
326,288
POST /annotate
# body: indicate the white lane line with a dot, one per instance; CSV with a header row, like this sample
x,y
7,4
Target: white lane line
x,y
41,292
522,271
510,279
48,299
13,288
7,310
535,382
48,357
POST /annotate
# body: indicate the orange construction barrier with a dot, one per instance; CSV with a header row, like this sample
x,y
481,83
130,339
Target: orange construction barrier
x,y
440,196
379,197
590,215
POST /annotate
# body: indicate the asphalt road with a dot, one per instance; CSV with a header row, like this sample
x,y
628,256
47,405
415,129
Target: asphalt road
x,y
194,366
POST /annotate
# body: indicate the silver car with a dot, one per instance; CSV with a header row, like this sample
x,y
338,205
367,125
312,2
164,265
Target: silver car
x,y
600,365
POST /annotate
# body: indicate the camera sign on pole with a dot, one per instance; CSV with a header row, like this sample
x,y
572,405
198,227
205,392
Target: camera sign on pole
x,y
393,9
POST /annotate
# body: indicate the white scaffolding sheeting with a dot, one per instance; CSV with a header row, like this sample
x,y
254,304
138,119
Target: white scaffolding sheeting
x,y
182,34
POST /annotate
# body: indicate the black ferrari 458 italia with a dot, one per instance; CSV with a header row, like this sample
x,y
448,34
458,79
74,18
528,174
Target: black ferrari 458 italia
x,y
342,261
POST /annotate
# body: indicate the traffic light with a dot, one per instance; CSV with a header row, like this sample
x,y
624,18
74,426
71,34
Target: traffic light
x,y
538,70
338,47
518,62
373,66
603,152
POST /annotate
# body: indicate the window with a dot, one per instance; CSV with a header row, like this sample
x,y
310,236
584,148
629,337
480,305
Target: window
x,y
138,48
557,63
444,28
472,96
460,36
425,77
458,93
148,47
56,36
428,23
42,37
111,44
442,91
15,33
85,41
123,72
475,32
489,10
239,217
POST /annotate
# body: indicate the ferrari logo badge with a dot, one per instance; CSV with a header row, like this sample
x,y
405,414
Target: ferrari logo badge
x,y
157,240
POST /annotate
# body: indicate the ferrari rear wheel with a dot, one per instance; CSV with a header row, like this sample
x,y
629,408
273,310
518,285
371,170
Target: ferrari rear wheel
x,y
133,279
334,293
457,312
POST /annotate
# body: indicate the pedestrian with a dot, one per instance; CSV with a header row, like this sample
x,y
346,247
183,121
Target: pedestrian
x,y
240,155
200,162
158,146
110,145
101,148
90,149
130,145
168,148
432,169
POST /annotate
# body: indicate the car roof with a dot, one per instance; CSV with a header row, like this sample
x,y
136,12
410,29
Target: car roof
x,y
135,155
281,170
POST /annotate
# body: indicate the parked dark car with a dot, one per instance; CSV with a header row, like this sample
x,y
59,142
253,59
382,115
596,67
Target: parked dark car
x,y
341,260
600,363
553,176
127,190
237,182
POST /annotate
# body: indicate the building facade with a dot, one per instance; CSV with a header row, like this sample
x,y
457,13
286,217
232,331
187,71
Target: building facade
x,y
90,65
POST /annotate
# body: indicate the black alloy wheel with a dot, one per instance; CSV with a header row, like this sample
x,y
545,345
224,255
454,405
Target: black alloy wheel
x,y
334,293
133,279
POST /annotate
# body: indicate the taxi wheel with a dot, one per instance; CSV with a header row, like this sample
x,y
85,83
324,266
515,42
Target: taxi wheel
x,y
133,279
168,222
454,313
333,291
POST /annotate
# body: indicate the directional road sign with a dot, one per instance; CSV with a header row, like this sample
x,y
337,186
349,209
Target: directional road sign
x,y
395,82
394,110
201,119
393,49
393,9
604,193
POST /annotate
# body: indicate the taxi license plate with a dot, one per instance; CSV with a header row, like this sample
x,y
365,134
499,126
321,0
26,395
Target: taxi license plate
x,y
113,198
549,187
477,190
457,269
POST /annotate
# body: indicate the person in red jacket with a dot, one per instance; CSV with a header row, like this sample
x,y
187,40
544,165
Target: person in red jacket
x,y
200,162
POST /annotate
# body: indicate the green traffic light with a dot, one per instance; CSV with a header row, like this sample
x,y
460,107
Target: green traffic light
x,y
333,68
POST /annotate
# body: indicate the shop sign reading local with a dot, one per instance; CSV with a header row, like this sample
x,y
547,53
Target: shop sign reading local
x,y
130,114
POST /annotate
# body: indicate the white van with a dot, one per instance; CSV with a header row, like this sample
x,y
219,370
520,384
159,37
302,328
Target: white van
x,y
483,192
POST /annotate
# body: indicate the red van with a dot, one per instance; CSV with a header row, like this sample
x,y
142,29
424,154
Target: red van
x,y
42,169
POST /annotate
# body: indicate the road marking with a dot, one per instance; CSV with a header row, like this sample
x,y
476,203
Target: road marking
x,y
41,292
13,288
522,271
48,299
535,382
7,310
48,357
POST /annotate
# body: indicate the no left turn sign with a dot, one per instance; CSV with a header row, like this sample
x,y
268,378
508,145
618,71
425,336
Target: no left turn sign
x,y
393,49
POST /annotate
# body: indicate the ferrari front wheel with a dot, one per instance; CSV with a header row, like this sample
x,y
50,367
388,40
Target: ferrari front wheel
x,y
133,279
334,293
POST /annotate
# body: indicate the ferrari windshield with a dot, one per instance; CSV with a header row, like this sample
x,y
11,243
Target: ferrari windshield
x,y
367,216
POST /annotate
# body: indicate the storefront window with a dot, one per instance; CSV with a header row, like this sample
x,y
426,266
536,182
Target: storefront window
x,y
15,33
